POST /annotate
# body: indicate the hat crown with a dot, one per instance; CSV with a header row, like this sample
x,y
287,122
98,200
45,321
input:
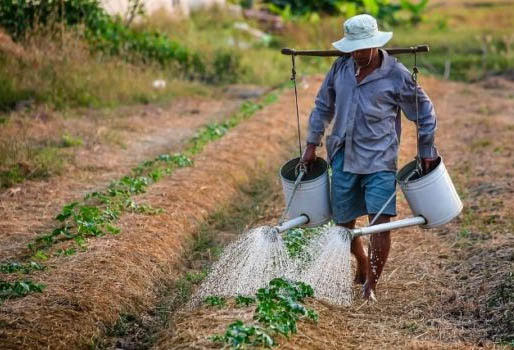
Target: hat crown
x,y
360,27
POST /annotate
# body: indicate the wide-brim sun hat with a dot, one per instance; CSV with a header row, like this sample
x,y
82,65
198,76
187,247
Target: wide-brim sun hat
x,y
361,32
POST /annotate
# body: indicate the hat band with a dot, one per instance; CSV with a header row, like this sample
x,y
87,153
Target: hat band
x,y
361,35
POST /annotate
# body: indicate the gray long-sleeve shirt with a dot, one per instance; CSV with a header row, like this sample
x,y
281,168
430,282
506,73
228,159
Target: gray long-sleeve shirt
x,y
367,115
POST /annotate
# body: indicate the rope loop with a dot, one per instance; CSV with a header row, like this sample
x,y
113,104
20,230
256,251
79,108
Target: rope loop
x,y
293,78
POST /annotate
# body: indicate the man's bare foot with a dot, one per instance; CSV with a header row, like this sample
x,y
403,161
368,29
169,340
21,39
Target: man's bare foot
x,y
368,292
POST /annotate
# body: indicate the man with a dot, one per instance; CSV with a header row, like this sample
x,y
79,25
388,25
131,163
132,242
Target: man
x,y
364,95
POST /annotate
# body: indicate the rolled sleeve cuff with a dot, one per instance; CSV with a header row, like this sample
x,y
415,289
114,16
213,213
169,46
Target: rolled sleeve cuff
x,y
314,138
428,151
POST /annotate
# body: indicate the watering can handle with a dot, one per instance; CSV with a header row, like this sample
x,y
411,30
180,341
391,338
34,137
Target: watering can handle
x,y
296,184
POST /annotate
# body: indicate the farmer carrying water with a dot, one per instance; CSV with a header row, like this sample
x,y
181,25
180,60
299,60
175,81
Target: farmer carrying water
x,y
364,94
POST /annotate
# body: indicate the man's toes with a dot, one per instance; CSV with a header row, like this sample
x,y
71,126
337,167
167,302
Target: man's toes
x,y
368,292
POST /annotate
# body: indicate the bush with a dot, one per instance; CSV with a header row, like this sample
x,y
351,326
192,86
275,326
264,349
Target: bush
x,y
104,33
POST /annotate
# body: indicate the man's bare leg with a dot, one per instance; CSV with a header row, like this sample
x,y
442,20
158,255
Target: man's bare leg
x,y
380,243
357,249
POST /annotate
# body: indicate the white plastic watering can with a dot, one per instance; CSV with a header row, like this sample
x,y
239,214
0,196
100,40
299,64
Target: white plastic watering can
x,y
431,197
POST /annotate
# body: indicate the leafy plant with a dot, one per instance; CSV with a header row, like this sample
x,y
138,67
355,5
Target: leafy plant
x,y
242,300
9,290
279,307
96,214
296,239
238,335
65,252
215,300
14,266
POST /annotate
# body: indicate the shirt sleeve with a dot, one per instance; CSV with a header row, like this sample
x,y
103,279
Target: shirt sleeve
x,y
323,111
427,118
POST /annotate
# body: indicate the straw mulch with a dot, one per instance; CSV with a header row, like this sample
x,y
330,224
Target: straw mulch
x,y
117,274
437,285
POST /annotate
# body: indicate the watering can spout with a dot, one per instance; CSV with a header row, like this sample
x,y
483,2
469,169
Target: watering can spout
x,y
393,225
289,224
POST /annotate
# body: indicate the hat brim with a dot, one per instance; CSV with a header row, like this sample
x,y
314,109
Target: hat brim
x,y
379,40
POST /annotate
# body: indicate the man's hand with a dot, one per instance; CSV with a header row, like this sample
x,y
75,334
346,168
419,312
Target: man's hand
x,y
428,164
309,155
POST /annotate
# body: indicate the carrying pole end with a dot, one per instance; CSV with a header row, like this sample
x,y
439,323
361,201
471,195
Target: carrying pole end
x,y
287,51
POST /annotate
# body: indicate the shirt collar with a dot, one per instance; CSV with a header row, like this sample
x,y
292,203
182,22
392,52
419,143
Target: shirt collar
x,y
380,72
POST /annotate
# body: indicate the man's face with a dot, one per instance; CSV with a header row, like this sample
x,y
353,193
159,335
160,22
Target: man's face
x,y
362,57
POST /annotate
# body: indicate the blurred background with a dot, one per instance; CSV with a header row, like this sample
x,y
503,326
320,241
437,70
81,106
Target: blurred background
x,y
63,55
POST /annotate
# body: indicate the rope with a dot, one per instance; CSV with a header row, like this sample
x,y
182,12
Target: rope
x,y
293,78
414,75
300,169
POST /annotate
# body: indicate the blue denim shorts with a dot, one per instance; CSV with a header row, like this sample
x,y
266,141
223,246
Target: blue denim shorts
x,y
355,195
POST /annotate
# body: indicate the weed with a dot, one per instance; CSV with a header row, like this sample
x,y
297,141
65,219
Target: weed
x,y
68,140
196,278
504,294
480,144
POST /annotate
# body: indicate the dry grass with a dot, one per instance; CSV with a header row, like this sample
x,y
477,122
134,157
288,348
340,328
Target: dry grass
x,y
119,273
60,71
437,284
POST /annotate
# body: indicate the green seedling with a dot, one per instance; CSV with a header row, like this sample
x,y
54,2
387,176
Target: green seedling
x,y
238,335
215,300
65,252
242,300
10,290
17,267
279,307
296,239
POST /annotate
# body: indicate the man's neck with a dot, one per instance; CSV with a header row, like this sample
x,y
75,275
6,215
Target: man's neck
x,y
362,72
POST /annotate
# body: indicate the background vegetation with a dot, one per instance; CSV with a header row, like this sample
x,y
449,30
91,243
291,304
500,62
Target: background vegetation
x,y
71,54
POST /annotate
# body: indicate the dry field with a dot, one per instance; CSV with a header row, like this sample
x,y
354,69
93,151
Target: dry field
x,y
439,286
438,289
